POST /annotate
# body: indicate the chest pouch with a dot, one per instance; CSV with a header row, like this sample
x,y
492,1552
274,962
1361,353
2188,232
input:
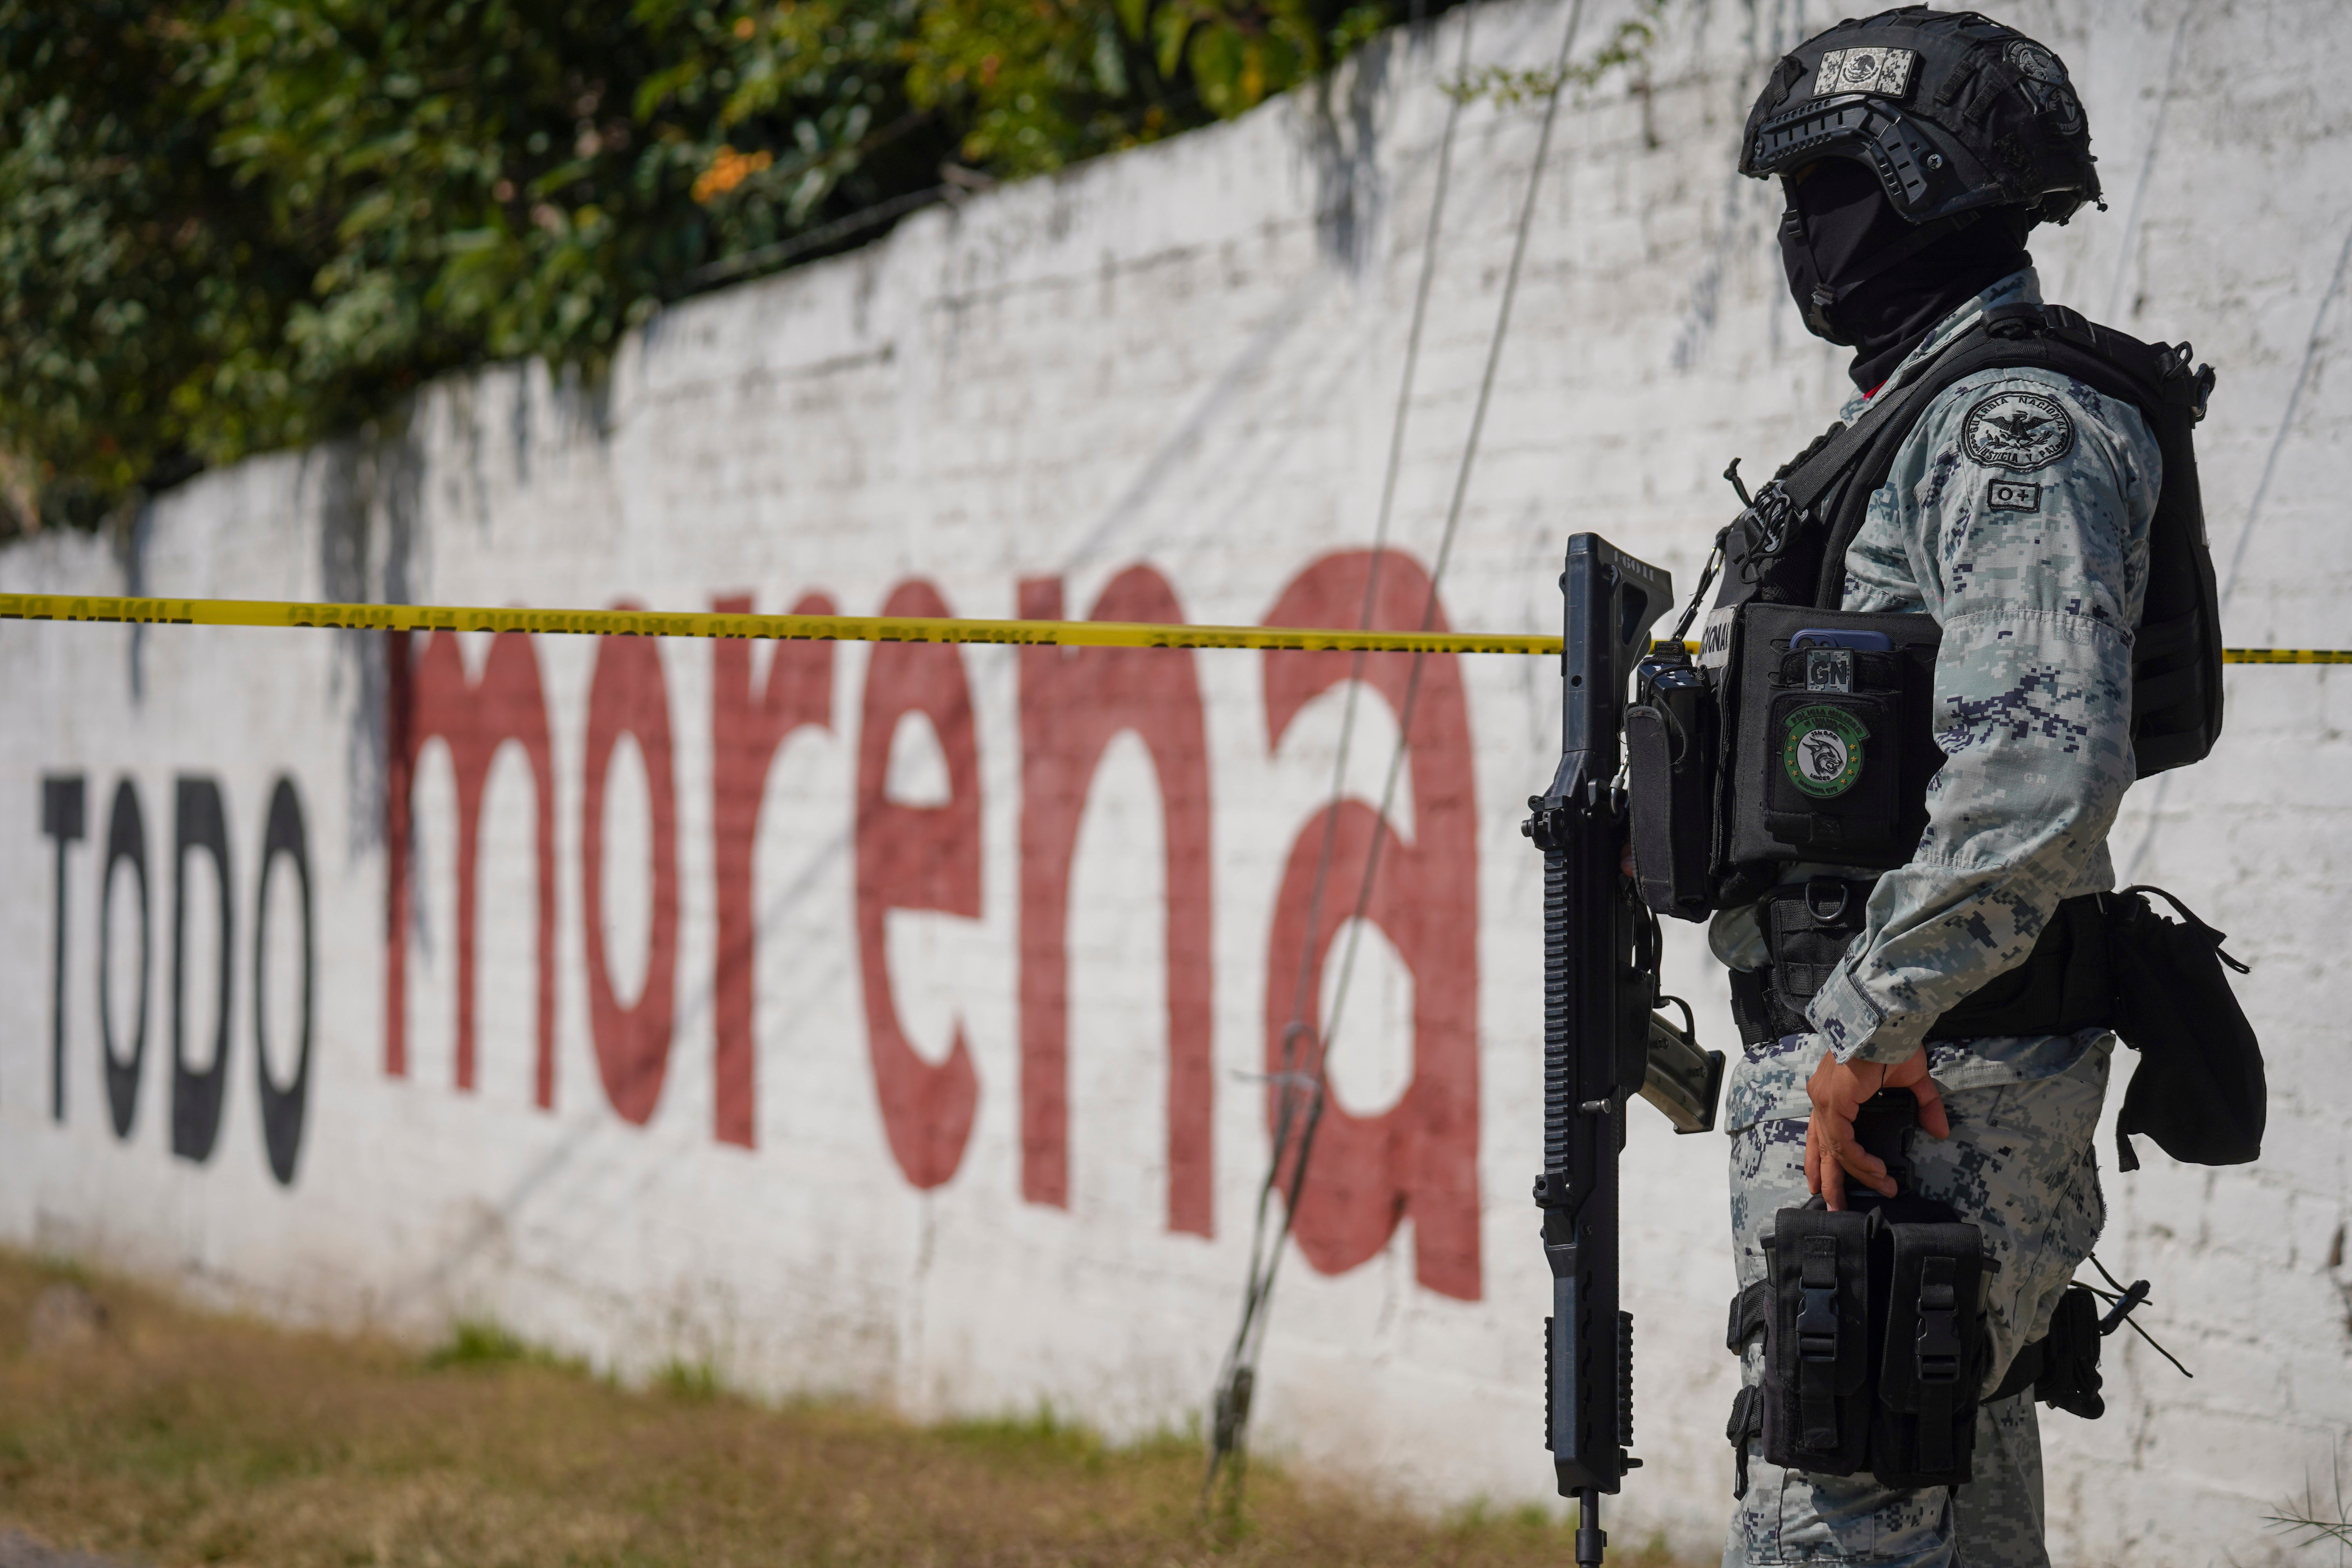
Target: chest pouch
x,y
1671,748
1830,748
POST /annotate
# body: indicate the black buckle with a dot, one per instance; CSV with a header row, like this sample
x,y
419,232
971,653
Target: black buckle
x,y
1774,524
1938,1350
2013,321
1817,1324
1938,1347
2070,324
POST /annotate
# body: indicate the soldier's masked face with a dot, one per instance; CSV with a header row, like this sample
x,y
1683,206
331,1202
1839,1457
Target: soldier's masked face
x,y
1865,275
1838,225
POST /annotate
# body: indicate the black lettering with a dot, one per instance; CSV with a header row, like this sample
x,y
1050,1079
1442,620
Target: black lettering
x,y
61,820
198,823
282,1109
126,839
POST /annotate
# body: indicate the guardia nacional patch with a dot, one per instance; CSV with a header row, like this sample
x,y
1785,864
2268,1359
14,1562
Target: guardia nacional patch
x,y
1820,749
2021,431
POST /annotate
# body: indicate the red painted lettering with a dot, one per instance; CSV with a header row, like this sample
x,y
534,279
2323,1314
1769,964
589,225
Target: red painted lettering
x,y
1073,703
627,695
430,697
748,727
916,857
1420,1157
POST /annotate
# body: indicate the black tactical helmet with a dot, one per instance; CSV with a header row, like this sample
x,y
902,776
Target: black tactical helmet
x,y
1954,112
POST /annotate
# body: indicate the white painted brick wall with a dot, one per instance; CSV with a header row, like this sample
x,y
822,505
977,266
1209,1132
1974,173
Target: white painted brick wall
x,y
1188,356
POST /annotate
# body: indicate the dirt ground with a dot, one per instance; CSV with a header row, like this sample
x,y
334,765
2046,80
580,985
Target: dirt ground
x,y
137,1430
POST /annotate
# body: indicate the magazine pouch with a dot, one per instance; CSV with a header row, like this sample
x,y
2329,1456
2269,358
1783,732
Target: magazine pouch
x,y
1816,1398
1932,1361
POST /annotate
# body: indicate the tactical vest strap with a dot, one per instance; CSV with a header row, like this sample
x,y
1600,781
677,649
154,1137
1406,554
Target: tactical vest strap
x,y
1790,546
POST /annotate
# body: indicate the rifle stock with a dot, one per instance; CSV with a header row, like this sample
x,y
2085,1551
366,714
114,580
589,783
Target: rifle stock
x,y
1603,1044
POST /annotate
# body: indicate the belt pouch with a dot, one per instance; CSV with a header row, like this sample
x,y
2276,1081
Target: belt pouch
x,y
2068,1375
1833,761
1816,1341
1933,1363
2199,1090
1670,755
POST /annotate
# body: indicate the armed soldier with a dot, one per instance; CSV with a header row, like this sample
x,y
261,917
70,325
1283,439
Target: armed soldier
x,y
1917,150
1950,634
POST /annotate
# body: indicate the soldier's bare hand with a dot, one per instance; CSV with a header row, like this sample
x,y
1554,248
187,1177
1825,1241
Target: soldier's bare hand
x,y
1838,1091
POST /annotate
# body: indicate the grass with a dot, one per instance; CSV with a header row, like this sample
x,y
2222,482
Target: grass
x,y
181,1437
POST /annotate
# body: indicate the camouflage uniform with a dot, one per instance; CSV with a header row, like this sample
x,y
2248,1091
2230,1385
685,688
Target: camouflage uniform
x,y
2016,514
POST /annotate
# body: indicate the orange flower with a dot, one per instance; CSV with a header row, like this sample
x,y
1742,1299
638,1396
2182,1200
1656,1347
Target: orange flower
x,y
728,170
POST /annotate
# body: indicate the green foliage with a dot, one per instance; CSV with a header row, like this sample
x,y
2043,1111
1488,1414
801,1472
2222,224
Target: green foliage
x,y
252,224
126,255
2306,1523
486,1343
688,1380
1628,47
1041,1435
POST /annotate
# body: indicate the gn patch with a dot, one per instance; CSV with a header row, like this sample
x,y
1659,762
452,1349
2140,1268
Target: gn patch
x,y
2013,495
2018,430
1883,72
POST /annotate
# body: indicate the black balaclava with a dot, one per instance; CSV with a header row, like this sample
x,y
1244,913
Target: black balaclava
x,y
1840,227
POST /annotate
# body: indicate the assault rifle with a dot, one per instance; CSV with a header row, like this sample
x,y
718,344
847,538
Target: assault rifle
x,y
1603,1042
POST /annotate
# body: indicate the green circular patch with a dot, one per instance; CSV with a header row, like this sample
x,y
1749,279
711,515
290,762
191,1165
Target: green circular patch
x,y
1820,749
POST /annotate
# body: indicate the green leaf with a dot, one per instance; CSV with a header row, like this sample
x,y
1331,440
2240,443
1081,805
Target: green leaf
x,y
232,227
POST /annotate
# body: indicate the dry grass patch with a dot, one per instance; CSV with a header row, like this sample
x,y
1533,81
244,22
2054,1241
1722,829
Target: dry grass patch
x,y
172,1436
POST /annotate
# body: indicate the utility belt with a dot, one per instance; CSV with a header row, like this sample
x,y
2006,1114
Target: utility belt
x,y
2064,985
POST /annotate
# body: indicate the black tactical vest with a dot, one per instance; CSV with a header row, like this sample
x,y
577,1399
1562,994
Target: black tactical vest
x,y
1716,818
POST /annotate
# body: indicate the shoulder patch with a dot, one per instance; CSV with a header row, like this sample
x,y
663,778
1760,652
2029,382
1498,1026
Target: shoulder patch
x,y
2018,430
2013,495
2033,60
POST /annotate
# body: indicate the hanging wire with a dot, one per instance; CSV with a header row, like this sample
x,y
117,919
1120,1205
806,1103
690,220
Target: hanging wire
x,y
1304,1090
1236,1377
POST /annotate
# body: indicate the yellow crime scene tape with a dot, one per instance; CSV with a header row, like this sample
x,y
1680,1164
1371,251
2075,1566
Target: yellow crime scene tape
x,y
828,628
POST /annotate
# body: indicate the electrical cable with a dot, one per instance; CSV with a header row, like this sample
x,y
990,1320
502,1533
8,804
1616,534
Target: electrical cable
x,y
1237,1375
1237,1383
824,234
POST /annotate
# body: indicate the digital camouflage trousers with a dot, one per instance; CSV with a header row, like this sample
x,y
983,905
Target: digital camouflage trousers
x,y
2020,1164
